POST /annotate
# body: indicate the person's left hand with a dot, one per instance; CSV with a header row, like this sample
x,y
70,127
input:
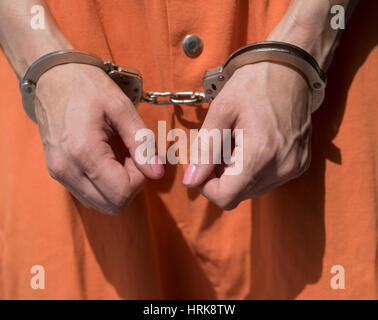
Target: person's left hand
x,y
272,104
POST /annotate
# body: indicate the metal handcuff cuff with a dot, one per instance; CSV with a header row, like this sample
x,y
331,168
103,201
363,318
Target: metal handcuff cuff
x,y
130,80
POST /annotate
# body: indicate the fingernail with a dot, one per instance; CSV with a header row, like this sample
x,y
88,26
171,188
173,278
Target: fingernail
x,y
189,175
156,167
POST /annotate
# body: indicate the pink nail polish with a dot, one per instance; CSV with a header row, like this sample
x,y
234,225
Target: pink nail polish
x,y
156,167
189,175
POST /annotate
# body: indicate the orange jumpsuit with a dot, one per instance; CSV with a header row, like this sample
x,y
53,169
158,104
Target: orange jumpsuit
x,y
172,242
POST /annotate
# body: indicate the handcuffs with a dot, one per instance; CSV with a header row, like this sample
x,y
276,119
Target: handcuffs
x,y
130,80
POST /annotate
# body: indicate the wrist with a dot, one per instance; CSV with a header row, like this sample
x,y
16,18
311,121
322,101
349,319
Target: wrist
x,y
306,24
23,45
22,55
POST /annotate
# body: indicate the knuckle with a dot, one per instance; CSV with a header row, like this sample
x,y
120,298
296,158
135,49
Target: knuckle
x,y
306,164
230,206
303,166
295,167
136,184
80,152
57,167
268,152
77,149
120,201
227,203
269,142
222,106
290,168
119,105
264,150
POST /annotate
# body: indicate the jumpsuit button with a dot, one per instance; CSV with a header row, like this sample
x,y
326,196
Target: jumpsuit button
x,y
192,45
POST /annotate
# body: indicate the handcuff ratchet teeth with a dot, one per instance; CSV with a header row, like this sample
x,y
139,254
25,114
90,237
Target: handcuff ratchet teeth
x,y
131,83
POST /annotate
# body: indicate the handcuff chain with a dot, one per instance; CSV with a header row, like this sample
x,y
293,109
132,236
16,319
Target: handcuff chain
x,y
181,97
130,80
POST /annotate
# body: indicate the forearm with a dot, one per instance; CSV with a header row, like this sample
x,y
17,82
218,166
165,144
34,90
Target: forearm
x,y
20,42
307,25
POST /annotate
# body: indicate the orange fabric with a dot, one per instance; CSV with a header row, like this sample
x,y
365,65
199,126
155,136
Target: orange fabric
x,y
173,243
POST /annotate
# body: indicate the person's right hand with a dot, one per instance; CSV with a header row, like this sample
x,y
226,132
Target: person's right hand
x,y
78,109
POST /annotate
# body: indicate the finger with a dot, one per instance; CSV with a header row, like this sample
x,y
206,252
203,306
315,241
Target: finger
x,y
206,149
290,169
259,172
71,177
91,197
227,190
97,161
126,120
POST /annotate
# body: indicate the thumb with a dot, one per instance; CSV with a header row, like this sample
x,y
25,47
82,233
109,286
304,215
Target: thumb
x,y
206,149
131,128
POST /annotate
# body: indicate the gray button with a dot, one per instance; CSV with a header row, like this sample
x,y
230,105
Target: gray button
x,y
192,45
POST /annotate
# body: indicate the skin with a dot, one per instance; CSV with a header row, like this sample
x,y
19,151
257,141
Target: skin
x,y
76,124
272,104
77,117
276,133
